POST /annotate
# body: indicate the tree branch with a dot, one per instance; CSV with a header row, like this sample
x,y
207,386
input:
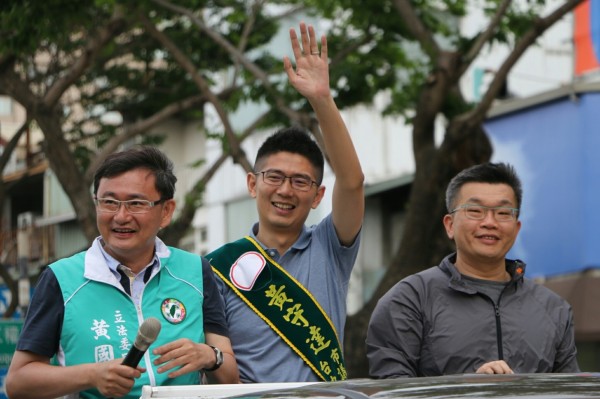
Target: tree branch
x,y
349,48
237,152
104,35
176,229
12,144
140,127
237,56
248,26
18,90
245,134
417,28
477,115
483,38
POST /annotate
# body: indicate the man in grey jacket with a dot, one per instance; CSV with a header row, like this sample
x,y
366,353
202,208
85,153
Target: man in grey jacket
x,y
475,312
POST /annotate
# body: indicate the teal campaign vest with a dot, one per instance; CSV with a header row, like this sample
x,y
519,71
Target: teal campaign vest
x,y
101,322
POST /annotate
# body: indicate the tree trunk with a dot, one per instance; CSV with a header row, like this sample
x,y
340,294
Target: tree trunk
x,y
71,177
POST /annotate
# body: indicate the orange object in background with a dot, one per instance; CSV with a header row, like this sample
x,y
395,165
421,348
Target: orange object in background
x,y
586,37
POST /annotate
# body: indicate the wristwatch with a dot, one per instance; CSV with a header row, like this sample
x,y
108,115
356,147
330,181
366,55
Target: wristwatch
x,y
219,356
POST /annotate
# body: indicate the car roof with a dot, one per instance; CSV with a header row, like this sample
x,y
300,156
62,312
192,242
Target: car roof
x,y
472,386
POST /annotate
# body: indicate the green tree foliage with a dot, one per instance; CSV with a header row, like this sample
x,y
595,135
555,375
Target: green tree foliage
x,y
71,63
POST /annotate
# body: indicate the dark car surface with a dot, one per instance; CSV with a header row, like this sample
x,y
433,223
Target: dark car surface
x,y
551,386
531,386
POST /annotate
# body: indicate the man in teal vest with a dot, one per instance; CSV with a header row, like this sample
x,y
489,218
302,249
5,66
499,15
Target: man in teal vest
x,y
87,309
285,284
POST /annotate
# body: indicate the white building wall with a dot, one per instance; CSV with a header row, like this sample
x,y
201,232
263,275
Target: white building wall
x,y
187,141
384,145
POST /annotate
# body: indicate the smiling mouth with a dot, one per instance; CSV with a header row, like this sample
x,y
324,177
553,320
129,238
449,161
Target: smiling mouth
x,y
486,237
123,230
285,207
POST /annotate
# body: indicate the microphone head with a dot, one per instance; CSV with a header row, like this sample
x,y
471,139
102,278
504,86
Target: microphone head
x,y
147,333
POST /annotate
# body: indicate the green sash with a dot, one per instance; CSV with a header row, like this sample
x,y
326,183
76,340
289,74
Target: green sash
x,y
283,303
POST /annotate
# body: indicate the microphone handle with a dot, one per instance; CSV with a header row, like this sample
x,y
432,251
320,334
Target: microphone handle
x,y
133,357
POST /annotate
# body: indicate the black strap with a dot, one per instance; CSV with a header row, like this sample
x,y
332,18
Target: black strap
x,y
125,282
148,273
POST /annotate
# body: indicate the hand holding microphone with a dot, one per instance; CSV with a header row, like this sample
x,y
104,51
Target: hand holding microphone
x,y
147,334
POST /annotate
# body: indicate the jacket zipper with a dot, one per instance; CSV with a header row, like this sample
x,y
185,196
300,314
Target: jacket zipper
x,y
498,324
499,332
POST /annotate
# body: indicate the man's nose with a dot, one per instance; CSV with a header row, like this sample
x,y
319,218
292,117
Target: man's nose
x,y
122,212
286,185
489,217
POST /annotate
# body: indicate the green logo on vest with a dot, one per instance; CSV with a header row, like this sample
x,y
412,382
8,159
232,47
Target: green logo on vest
x,y
173,311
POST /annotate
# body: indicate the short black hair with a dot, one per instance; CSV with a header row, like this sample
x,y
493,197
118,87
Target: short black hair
x,y
493,173
296,141
144,157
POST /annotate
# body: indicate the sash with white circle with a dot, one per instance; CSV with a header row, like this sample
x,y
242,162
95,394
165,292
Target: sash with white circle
x,y
246,269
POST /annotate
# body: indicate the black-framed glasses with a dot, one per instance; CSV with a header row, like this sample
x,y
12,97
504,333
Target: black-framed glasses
x,y
276,178
110,205
479,212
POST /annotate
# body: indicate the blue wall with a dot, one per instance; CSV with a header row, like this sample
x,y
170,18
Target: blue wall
x,y
554,148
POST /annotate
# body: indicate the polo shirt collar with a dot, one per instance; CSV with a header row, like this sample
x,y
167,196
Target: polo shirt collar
x,y
97,256
301,243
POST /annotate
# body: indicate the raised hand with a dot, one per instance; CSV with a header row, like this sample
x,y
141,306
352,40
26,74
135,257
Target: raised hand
x,y
311,77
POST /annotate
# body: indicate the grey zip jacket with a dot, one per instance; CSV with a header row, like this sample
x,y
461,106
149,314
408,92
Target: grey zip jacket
x,y
433,323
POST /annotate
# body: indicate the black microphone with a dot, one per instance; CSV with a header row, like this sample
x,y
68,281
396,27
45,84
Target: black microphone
x,y
146,335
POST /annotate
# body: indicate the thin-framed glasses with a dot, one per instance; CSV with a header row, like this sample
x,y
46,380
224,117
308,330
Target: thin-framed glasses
x,y
110,205
479,212
276,178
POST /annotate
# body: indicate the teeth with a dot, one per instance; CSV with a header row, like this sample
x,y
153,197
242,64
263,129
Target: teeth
x,y
282,206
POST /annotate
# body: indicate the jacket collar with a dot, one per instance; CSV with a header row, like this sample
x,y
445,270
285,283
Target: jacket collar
x,y
516,268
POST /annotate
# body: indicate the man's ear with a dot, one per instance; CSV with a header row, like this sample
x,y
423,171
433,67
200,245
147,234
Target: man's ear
x,y
449,225
318,197
251,184
167,212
